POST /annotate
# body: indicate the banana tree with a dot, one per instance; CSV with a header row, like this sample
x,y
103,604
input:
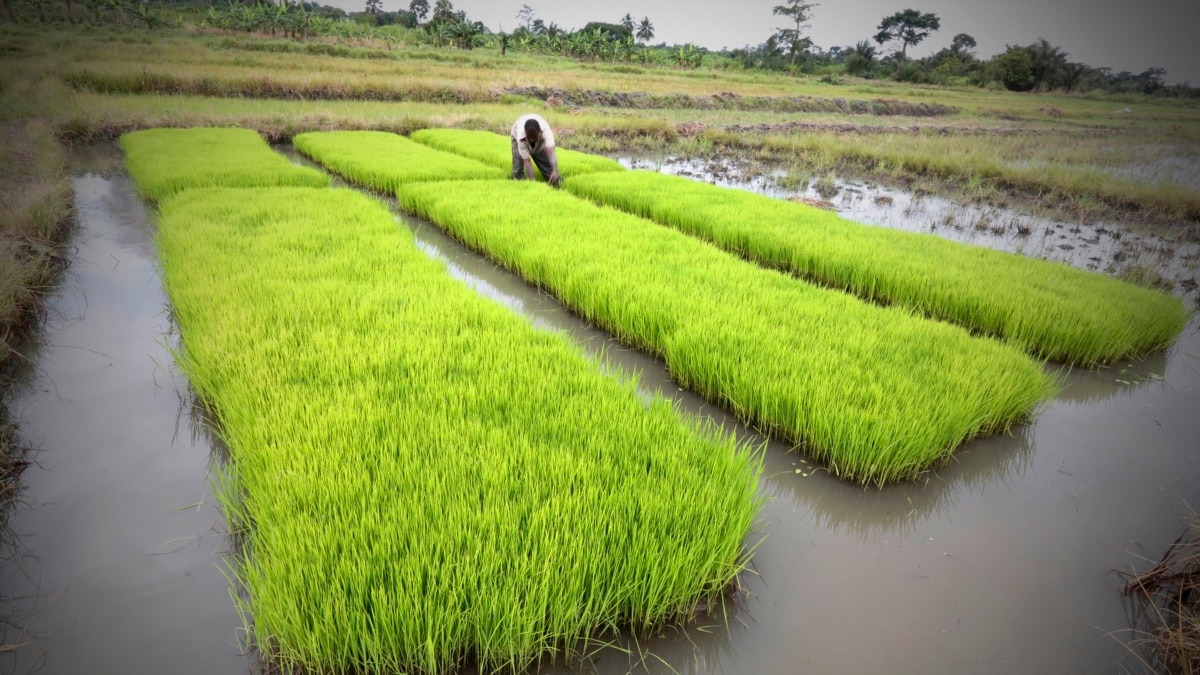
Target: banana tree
x,y
119,8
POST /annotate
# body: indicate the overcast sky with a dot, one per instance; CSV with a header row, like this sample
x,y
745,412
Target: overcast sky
x,y
1129,36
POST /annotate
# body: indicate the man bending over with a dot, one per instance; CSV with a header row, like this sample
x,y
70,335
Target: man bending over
x,y
533,141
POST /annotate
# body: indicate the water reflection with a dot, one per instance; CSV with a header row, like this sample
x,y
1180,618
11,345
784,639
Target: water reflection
x,y
869,513
1124,378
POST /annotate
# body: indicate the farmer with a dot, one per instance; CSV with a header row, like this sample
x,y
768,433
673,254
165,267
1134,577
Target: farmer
x,y
533,141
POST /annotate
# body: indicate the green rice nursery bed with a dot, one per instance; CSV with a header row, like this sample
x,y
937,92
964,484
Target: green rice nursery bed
x,y
354,154
496,150
878,394
420,478
164,161
1050,309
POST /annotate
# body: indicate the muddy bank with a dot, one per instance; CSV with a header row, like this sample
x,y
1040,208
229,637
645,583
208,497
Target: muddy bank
x,y
732,101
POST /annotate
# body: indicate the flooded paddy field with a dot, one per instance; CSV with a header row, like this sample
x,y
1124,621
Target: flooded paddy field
x,y
999,562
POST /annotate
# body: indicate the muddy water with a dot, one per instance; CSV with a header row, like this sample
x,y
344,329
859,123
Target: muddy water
x,y
998,563
118,544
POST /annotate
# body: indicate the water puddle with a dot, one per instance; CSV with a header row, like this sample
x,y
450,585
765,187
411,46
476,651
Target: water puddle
x,y
1000,562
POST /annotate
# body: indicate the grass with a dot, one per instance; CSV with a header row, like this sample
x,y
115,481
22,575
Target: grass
x,y
1051,309
354,154
425,481
165,161
496,150
37,207
1120,169
1082,153
35,214
876,394
1167,604
34,217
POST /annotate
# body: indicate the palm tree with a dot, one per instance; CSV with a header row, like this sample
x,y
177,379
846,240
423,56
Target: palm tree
x,y
860,58
1072,75
645,30
1048,63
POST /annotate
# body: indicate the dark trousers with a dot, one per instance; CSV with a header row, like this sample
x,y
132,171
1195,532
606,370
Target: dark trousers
x,y
540,159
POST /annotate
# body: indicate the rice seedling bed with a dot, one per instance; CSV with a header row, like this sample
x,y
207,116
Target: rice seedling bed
x,y
496,150
165,161
359,154
422,478
878,394
1050,309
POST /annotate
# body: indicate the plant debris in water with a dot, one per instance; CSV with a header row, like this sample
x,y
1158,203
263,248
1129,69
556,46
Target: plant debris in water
x,y
1168,595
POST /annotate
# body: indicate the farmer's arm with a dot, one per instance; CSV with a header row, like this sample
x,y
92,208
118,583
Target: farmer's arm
x,y
553,178
529,173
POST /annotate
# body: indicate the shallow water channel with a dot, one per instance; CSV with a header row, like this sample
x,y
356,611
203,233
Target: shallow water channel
x,y
1000,562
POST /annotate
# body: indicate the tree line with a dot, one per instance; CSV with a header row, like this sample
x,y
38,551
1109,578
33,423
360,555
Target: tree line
x,y
1040,66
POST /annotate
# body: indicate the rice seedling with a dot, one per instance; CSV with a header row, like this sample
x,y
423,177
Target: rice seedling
x,y
496,150
386,161
423,480
877,394
165,161
1050,309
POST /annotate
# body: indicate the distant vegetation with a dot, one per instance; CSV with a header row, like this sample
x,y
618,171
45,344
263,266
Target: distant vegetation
x,y
1040,66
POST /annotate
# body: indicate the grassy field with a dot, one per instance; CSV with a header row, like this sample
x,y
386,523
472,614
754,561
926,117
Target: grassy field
x,y
104,82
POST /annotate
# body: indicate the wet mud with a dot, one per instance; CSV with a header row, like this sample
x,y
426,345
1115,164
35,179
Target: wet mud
x,y
999,562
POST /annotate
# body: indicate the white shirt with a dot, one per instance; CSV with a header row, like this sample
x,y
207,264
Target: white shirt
x,y
518,134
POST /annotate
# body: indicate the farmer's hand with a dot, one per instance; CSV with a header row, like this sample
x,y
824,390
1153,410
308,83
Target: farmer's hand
x,y
555,179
